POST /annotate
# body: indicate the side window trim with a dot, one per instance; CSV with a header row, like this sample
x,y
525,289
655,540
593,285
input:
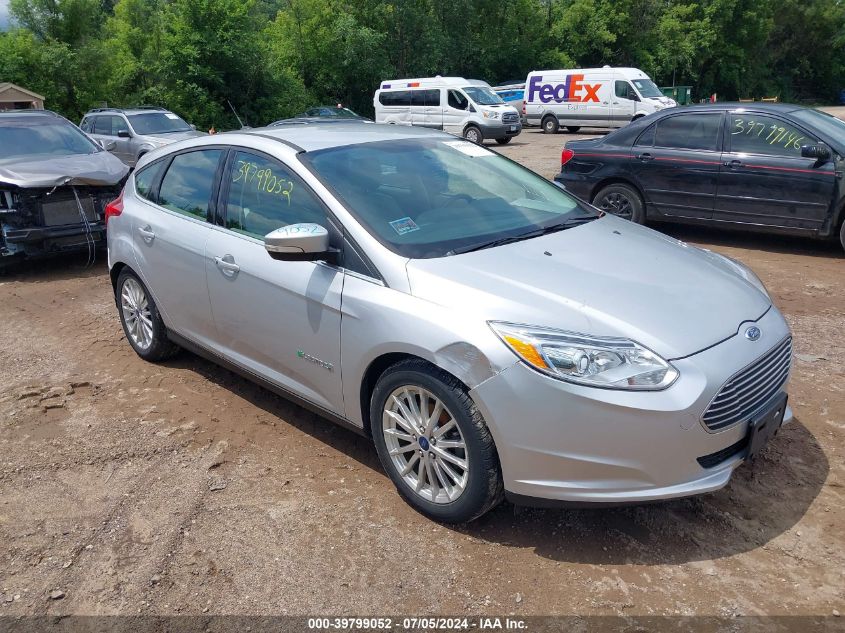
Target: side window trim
x,y
728,145
719,135
155,189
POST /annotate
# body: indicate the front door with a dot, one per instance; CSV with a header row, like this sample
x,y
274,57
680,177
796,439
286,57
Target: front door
x,y
765,181
624,102
279,319
170,241
455,112
676,162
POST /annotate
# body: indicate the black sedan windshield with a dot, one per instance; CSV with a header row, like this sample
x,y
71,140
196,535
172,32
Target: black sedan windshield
x,y
432,197
158,123
22,140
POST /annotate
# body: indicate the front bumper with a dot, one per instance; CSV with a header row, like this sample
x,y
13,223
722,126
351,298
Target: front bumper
x,y
501,130
567,443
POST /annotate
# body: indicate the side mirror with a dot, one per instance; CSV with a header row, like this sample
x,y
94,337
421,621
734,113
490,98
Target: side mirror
x,y
123,134
819,152
300,242
107,145
633,96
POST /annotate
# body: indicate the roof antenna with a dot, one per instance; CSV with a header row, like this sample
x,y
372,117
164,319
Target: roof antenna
x,y
235,112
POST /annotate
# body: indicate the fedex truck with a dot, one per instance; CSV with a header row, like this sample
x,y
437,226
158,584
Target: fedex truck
x,y
590,97
464,107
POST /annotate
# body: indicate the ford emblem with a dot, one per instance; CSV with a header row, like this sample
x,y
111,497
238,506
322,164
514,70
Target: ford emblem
x,y
753,333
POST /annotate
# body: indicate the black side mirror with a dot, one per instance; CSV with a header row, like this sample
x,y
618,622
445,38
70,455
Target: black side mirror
x,y
819,152
633,96
123,134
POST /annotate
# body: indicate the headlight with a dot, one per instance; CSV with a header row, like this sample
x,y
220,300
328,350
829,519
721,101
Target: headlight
x,y
611,363
490,115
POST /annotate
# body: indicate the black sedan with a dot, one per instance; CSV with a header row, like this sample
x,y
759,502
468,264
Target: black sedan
x,y
754,166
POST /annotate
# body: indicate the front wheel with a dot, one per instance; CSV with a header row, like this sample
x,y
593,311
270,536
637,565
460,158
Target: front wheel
x,y
621,200
473,135
434,444
504,141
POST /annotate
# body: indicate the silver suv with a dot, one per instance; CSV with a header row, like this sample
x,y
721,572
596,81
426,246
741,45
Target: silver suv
x,y
494,335
129,133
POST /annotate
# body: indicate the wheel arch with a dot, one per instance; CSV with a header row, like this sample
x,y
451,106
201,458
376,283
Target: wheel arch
x,y
618,180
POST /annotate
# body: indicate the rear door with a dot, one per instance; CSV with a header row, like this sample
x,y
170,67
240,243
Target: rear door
x,y
279,319
170,236
765,181
677,160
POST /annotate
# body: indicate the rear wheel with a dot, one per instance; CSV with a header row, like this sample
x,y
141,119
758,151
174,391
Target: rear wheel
x,y
572,129
550,124
621,200
433,443
141,320
504,141
473,135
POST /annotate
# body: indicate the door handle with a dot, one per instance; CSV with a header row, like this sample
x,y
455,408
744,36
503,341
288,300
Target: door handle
x,y
733,164
227,265
147,233
645,156
604,102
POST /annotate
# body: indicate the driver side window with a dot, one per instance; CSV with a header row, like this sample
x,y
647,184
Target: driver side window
x,y
265,195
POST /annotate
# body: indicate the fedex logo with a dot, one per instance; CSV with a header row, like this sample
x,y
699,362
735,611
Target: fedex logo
x,y
570,90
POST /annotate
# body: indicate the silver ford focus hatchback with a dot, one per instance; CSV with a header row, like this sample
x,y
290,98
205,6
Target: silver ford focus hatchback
x,y
493,335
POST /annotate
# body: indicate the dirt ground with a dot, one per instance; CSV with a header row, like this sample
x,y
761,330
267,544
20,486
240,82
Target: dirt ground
x,y
182,489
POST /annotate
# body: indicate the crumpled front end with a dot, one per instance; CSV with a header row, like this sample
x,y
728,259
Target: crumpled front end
x,y
41,221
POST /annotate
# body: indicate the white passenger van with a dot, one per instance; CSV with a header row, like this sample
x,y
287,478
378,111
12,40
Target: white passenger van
x,y
590,97
464,107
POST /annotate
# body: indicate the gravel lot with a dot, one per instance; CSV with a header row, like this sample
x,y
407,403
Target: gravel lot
x,y
182,489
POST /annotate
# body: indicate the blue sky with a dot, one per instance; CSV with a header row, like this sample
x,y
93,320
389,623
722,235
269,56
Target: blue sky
x,y
4,13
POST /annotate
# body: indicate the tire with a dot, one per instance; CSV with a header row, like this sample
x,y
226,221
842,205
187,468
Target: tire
x,y
550,124
572,129
504,141
842,234
473,134
621,200
133,299
481,476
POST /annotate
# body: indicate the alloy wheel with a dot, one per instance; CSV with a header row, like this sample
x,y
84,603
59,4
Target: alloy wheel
x,y
425,444
136,313
617,204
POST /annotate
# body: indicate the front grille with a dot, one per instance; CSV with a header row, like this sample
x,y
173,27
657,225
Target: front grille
x,y
510,117
62,209
750,389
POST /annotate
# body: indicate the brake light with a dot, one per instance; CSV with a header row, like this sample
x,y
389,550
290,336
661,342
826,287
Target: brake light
x,y
114,208
566,156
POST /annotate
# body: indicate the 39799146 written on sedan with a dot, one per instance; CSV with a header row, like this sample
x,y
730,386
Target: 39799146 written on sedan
x,y
448,303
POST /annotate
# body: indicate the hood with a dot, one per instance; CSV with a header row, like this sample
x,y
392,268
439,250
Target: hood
x,y
664,101
100,168
175,136
608,277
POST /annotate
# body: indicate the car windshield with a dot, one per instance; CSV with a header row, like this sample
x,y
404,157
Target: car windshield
x,y
482,96
647,88
827,124
342,113
433,197
22,140
158,123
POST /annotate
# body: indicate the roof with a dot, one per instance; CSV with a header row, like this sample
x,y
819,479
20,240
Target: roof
x,y
323,135
4,86
748,105
129,110
430,82
27,116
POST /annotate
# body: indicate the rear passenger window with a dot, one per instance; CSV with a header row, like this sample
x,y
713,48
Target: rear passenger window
x,y
689,131
188,183
102,125
646,139
756,134
264,195
145,178
395,98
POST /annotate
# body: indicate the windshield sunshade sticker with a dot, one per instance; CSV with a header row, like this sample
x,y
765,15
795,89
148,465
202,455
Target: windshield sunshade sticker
x,y
170,115
470,149
404,225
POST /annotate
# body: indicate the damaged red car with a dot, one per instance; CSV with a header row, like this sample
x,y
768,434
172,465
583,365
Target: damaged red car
x,y
55,183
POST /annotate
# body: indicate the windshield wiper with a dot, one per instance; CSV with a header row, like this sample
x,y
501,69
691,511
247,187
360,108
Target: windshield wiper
x,y
568,223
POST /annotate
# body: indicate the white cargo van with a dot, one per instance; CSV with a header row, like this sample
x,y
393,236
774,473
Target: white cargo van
x,y
590,97
464,107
